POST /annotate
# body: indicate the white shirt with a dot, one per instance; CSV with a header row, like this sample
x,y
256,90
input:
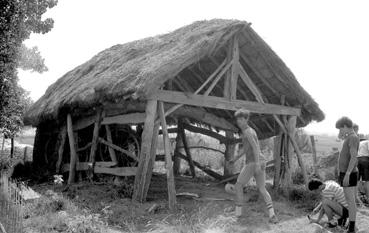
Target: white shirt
x,y
363,149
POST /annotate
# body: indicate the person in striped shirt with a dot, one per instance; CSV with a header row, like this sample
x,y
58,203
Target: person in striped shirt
x,y
333,202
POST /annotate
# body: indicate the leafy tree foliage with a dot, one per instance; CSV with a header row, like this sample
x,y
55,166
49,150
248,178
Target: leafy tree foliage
x,y
18,19
30,59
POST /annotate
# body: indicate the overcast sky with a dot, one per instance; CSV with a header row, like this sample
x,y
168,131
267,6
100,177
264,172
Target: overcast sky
x,y
324,43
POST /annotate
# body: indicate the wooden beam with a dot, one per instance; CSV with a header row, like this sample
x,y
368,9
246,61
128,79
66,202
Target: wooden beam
x,y
115,147
177,149
205,148
235,68
143,176
203,116
109,138
278,160
210,133
62,139
202,168
73,154
84,147
185,145
172,109
131,118
249,83
95,136
229,155
104,168
222,103
315,160
83,123
216,80
168,159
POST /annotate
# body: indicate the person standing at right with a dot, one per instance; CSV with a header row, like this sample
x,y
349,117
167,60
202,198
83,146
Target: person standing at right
x,y
347,166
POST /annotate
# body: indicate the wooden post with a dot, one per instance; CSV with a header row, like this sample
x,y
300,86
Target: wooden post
x,y
143,176
2,145
25,153
62,137
229,155
291,131
12,147
277,161
109,139
95,137
186,148
177,160
168,159
73,154
315,161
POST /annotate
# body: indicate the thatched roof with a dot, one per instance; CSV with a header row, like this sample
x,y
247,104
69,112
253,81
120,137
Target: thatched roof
x,y
187,56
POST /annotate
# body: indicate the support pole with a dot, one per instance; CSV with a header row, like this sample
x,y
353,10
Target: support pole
x,y
62,138
95,137
73,154
229,154
144,171
176,159
187,150
168,159
110,140
277,160
312,139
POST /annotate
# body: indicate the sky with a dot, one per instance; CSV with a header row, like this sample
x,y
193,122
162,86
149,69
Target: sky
x,y
323,42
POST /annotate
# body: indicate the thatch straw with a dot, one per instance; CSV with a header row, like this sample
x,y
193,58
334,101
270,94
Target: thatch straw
x,y
136,69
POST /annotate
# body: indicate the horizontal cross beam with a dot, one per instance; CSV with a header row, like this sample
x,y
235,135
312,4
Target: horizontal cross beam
x,y
222,103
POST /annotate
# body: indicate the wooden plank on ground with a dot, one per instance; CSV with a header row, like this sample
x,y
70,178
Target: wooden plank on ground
x,y
104,169
222,103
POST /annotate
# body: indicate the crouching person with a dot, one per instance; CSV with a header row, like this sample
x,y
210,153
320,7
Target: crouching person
x,y
333,202
254,166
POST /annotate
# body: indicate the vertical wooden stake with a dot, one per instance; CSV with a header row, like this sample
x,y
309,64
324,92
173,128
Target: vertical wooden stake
x,y
109,139
277,161
312,139
229,155
143,175
177,159
95,137
168,159
73,154
62,138
187,149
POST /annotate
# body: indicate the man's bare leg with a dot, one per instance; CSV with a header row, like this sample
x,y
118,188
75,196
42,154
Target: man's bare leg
x,y
243,178
260,182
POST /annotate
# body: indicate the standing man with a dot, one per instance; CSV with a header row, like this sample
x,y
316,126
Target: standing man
x,y
254,165
347,166
363,165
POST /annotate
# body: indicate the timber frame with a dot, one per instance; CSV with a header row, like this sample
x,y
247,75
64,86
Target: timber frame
x,y
200,98
231,70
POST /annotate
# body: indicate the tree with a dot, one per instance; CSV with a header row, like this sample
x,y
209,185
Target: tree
x,y
31,59
18,19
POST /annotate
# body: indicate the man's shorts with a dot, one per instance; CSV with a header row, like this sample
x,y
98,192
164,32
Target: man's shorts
x,y
363,166
352,179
